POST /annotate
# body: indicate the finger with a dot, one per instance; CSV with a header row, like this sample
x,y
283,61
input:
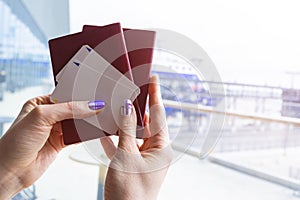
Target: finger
x,y
127,125
30,105
158,124
154,91
108,146
146,119
50,114
147,132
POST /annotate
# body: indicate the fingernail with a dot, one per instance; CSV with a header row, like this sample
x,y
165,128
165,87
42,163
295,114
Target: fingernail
x,y
96,105
126,109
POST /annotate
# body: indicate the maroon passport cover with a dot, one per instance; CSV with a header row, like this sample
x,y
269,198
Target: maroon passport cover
x,y
139,44
108,41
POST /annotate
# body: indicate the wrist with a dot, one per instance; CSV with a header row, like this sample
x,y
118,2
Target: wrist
x,y
128,191
9,184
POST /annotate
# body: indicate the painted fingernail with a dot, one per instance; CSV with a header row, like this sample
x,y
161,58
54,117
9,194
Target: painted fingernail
x,y
96,105
126,109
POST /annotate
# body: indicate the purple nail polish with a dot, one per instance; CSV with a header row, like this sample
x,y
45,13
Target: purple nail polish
x,y
96,105
127,108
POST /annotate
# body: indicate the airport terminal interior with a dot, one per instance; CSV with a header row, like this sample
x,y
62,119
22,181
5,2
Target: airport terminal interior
x,y
234,138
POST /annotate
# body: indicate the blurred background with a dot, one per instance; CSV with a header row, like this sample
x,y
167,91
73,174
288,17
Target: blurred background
x,y
255,46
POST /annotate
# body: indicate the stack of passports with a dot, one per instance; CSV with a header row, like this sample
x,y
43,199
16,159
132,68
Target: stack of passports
x,y
102,63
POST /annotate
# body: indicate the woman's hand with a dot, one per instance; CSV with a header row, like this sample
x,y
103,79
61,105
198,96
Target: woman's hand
x,y
34,140
137,172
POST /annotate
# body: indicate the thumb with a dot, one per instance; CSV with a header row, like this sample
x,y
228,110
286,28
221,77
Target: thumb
x,y
52,113
127,128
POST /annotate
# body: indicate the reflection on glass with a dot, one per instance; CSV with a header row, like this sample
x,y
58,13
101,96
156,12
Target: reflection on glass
x,y
24,64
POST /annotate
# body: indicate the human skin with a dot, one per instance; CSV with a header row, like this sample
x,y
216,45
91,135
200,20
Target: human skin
x,y
35,138
137,172
33,142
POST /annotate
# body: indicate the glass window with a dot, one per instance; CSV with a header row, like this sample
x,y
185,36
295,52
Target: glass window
x,y
24,65
256,53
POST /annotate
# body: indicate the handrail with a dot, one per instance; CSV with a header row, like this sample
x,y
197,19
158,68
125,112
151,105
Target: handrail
x,y
208,109
248,170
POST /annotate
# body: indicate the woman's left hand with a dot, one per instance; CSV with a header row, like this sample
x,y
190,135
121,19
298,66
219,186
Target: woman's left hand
x,y
34,140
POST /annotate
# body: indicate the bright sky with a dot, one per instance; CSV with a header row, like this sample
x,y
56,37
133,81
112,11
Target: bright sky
x,y
253,41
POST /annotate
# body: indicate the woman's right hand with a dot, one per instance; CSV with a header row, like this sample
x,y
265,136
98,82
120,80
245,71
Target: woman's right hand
x,y
137,172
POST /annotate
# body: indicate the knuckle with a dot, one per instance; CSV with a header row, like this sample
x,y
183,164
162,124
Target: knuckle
x,y
27,104
74,110
127,127
70,105
73,106
41,115
38,111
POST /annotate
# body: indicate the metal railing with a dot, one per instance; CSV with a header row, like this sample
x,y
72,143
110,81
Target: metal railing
x,y
288,122
208,109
